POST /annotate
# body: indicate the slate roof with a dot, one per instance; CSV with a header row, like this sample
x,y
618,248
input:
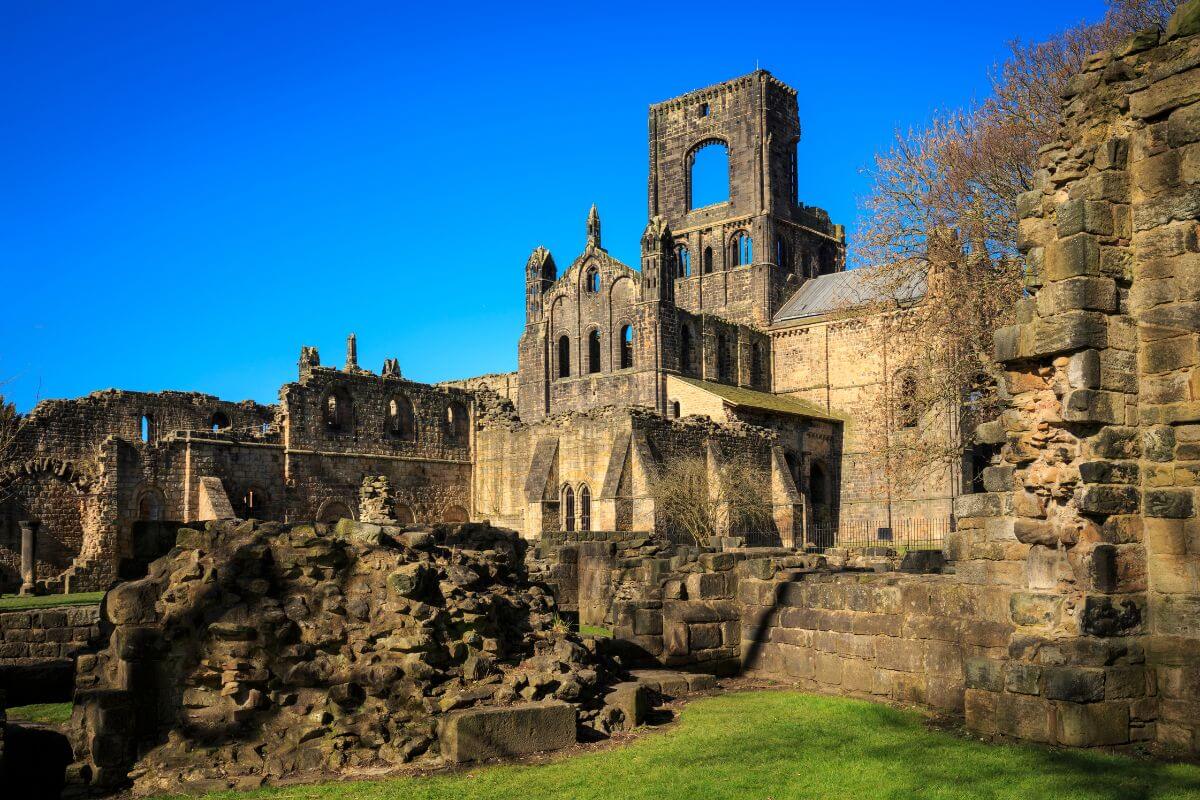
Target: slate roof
x,y
839,291
738,396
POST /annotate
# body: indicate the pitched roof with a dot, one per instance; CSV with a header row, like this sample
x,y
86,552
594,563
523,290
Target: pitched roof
x,y
839,291
740,397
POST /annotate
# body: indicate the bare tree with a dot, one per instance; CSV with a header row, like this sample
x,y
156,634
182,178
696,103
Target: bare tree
x,y
942,215
692,499
10,424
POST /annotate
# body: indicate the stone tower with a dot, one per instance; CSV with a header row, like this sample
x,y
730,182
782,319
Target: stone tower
x,y
754,120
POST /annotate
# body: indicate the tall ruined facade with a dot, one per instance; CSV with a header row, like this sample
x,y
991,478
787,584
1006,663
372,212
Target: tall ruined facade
x,y
619,367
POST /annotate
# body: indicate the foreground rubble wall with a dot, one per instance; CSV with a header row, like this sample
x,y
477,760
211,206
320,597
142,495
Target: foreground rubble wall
x,y
254,651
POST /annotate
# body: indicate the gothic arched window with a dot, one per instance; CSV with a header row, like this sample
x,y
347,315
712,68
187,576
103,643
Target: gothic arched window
x,y
742,249
722,357
338,412
457,428
907,411
626,347
686,349
683,262
585,508
564,356
594,350
591,281
401,419
568,503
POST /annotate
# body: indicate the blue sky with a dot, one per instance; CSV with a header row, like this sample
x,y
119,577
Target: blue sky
x,y
192,191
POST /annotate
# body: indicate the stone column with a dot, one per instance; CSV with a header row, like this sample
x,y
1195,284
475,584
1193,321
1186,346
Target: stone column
x,y
28,555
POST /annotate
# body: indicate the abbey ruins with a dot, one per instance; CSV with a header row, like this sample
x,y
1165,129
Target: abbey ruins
x,y
1063,607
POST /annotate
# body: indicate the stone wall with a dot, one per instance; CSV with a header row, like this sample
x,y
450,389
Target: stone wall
x,y
840,363
521,470
98,472
47,633
889,636
1094,531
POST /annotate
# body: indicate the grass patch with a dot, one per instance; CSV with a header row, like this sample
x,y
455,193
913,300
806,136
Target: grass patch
x,y
784,746
14,602
45,713
595,630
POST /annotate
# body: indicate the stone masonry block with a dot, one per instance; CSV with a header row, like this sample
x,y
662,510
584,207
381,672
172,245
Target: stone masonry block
x,y
482,733
1092,724
1072,256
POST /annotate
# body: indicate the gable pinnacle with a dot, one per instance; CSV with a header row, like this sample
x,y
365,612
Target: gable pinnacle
x,y
593,228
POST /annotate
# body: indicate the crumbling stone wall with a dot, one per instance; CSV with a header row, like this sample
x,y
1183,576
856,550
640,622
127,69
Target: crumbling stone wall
x,y
1095,483
47,633
101,472
255,651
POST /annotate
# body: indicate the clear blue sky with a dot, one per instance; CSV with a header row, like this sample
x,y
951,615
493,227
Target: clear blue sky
x,y
192,191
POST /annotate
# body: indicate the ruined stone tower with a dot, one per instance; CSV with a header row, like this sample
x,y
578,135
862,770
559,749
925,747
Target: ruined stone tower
x,y
740,258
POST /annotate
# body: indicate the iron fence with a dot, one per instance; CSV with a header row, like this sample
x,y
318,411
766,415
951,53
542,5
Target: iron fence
x,y
902,534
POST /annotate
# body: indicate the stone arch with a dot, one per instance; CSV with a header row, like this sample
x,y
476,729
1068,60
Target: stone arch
x,y
568,507
585,507
625,344
337,411
401,418
150,505
904,390
594,358
687,348
333,509
455,513
57,495
458,427
820,501
591,280
563,353
712,155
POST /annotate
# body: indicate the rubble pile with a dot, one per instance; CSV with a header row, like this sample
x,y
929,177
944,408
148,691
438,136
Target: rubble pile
x,y
255,650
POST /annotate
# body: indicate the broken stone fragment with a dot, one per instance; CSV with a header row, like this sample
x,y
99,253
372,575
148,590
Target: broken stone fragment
x,y
408,580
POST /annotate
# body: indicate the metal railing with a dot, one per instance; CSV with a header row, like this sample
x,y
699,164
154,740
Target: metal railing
x,y
899,534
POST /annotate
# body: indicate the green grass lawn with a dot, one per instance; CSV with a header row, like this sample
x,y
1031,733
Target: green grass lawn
x,y
595,630
13,602
786,745
45,713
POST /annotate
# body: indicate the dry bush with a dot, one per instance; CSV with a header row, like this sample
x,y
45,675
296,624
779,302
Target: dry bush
x,y
942,212
10,423
691,500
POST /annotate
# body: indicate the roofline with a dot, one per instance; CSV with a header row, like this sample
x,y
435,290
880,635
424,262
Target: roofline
x,y
696,94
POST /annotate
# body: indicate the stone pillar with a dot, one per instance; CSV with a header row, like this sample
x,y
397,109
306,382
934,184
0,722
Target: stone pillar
x,y
28,555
